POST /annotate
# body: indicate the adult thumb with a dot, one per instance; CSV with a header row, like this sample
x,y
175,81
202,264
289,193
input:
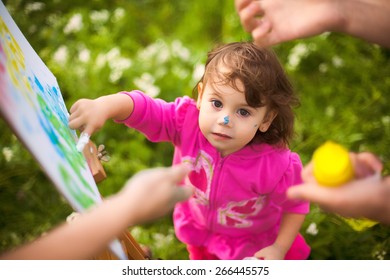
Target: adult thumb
x,y
178,174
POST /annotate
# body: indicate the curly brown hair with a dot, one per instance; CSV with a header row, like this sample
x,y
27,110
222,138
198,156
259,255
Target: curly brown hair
x,y
265,84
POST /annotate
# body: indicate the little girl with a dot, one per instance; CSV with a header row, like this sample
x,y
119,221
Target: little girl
x,y
235,139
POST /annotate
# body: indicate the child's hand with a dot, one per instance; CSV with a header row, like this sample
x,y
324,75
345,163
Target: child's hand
x,y
87,115
273,252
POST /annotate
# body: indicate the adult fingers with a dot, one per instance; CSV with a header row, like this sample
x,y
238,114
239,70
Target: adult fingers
x,y
312,193
262,33
250,16
177,175
241,4
178,172
366,164
307,173
182,193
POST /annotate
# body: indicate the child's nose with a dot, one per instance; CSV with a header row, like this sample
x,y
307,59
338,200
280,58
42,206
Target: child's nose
x,y
224,120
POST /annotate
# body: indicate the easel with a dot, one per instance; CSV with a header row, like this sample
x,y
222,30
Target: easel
x,y
131,247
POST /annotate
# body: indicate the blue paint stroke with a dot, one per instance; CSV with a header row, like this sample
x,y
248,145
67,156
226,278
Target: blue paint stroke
x,y
41,89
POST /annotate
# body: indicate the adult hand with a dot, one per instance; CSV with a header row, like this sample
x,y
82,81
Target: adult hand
x,y
275,21
153,192
366,196
146,196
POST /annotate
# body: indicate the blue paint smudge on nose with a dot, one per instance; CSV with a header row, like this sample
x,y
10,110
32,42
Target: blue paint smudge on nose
x,y
226,120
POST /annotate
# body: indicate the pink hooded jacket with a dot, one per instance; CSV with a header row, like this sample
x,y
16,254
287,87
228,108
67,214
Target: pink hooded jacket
x,y
239,199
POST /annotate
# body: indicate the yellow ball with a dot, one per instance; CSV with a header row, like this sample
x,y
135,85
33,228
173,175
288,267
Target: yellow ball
x,y
331,165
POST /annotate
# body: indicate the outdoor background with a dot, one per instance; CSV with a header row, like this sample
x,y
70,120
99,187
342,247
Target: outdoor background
x,y
100,47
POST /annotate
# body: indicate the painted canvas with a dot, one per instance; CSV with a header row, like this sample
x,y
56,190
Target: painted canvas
x,y
32,104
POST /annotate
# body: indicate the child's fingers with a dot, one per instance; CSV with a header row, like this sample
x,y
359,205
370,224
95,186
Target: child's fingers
x,y
73,115
75,120
78,104
89,129
80,125
74,123
73,108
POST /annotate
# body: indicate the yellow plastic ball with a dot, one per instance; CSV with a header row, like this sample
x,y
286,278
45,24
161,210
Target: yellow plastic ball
x,y
331,165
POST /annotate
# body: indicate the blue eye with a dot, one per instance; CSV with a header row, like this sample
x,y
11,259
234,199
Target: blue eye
x,y
216,103
243,112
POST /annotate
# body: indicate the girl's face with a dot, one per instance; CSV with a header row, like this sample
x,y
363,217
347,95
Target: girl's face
x,y
226,119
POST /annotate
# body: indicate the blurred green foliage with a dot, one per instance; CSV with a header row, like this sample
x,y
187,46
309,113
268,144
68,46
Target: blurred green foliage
x,y
99,47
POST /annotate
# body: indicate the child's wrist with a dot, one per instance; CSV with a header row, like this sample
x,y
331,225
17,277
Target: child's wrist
x,y
108,106
283,248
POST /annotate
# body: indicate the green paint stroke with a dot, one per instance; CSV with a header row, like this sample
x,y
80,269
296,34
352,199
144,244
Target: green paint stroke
x,y
82,198
66,148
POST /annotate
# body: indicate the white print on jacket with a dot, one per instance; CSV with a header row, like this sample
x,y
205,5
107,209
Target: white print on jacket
x,y
235,213
201,176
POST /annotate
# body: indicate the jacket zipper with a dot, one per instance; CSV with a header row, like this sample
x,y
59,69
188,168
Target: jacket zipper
x,y
215,187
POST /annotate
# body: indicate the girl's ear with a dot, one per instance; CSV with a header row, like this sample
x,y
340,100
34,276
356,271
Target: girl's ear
x,y
200,95
271,115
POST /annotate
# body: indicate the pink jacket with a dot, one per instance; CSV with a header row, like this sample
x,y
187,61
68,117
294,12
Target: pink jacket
x,y
239,199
